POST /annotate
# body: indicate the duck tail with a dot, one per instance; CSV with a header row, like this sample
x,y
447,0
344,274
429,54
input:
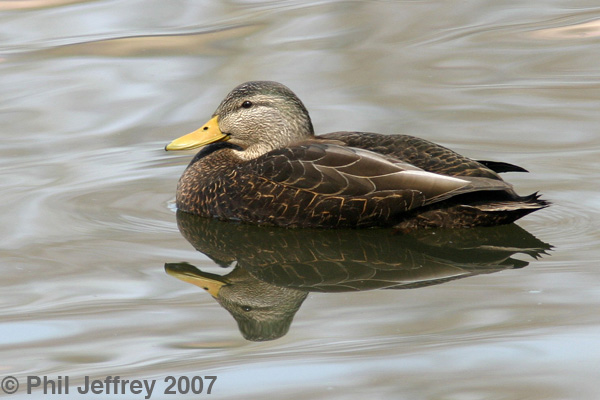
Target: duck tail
x,y
534,199
522,205
532,202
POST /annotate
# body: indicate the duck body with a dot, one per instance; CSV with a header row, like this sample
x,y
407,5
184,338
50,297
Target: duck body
x,y
271,171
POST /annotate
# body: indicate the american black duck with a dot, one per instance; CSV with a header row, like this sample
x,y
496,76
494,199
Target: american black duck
x,y
261,163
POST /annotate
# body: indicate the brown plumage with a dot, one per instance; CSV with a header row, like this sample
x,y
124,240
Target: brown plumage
x,y
265,166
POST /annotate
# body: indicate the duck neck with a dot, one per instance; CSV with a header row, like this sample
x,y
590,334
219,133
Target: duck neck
x,y
253,151
287,135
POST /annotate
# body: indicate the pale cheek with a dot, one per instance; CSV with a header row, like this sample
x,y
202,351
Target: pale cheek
x,y
227,125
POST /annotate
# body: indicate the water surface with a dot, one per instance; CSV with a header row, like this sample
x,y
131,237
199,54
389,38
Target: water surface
x,y
93,90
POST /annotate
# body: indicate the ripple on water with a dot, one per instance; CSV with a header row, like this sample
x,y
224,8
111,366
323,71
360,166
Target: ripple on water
x,y
571,229
88,210
116,188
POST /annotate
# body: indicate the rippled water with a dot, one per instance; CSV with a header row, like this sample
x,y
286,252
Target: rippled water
x,y
93,90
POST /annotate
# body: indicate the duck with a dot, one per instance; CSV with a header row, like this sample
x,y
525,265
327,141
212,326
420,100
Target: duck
x,y
260,162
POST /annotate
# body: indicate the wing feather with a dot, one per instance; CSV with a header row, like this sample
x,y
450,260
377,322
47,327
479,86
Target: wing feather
x,y
331,169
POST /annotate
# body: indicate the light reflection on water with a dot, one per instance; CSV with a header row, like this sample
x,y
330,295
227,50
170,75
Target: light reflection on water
x,y
93,90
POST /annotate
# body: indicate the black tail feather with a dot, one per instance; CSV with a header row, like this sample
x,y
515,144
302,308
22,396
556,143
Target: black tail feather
x,y
500,167
534,198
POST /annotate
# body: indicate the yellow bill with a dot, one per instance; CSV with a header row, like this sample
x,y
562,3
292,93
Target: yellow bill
x,y
208,133
211,284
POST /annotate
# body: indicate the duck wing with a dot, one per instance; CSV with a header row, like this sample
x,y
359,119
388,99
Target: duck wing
x,y
333,170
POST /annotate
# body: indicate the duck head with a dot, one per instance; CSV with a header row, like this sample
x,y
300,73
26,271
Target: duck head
x,y
257,116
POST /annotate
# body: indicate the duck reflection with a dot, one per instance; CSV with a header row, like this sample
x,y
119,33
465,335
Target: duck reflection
x,y
275,268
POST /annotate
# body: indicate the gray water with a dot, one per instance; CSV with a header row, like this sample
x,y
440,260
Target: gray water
x,y
91,91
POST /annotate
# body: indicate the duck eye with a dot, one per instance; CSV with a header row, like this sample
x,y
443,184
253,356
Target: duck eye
x,y
246,308
247,104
